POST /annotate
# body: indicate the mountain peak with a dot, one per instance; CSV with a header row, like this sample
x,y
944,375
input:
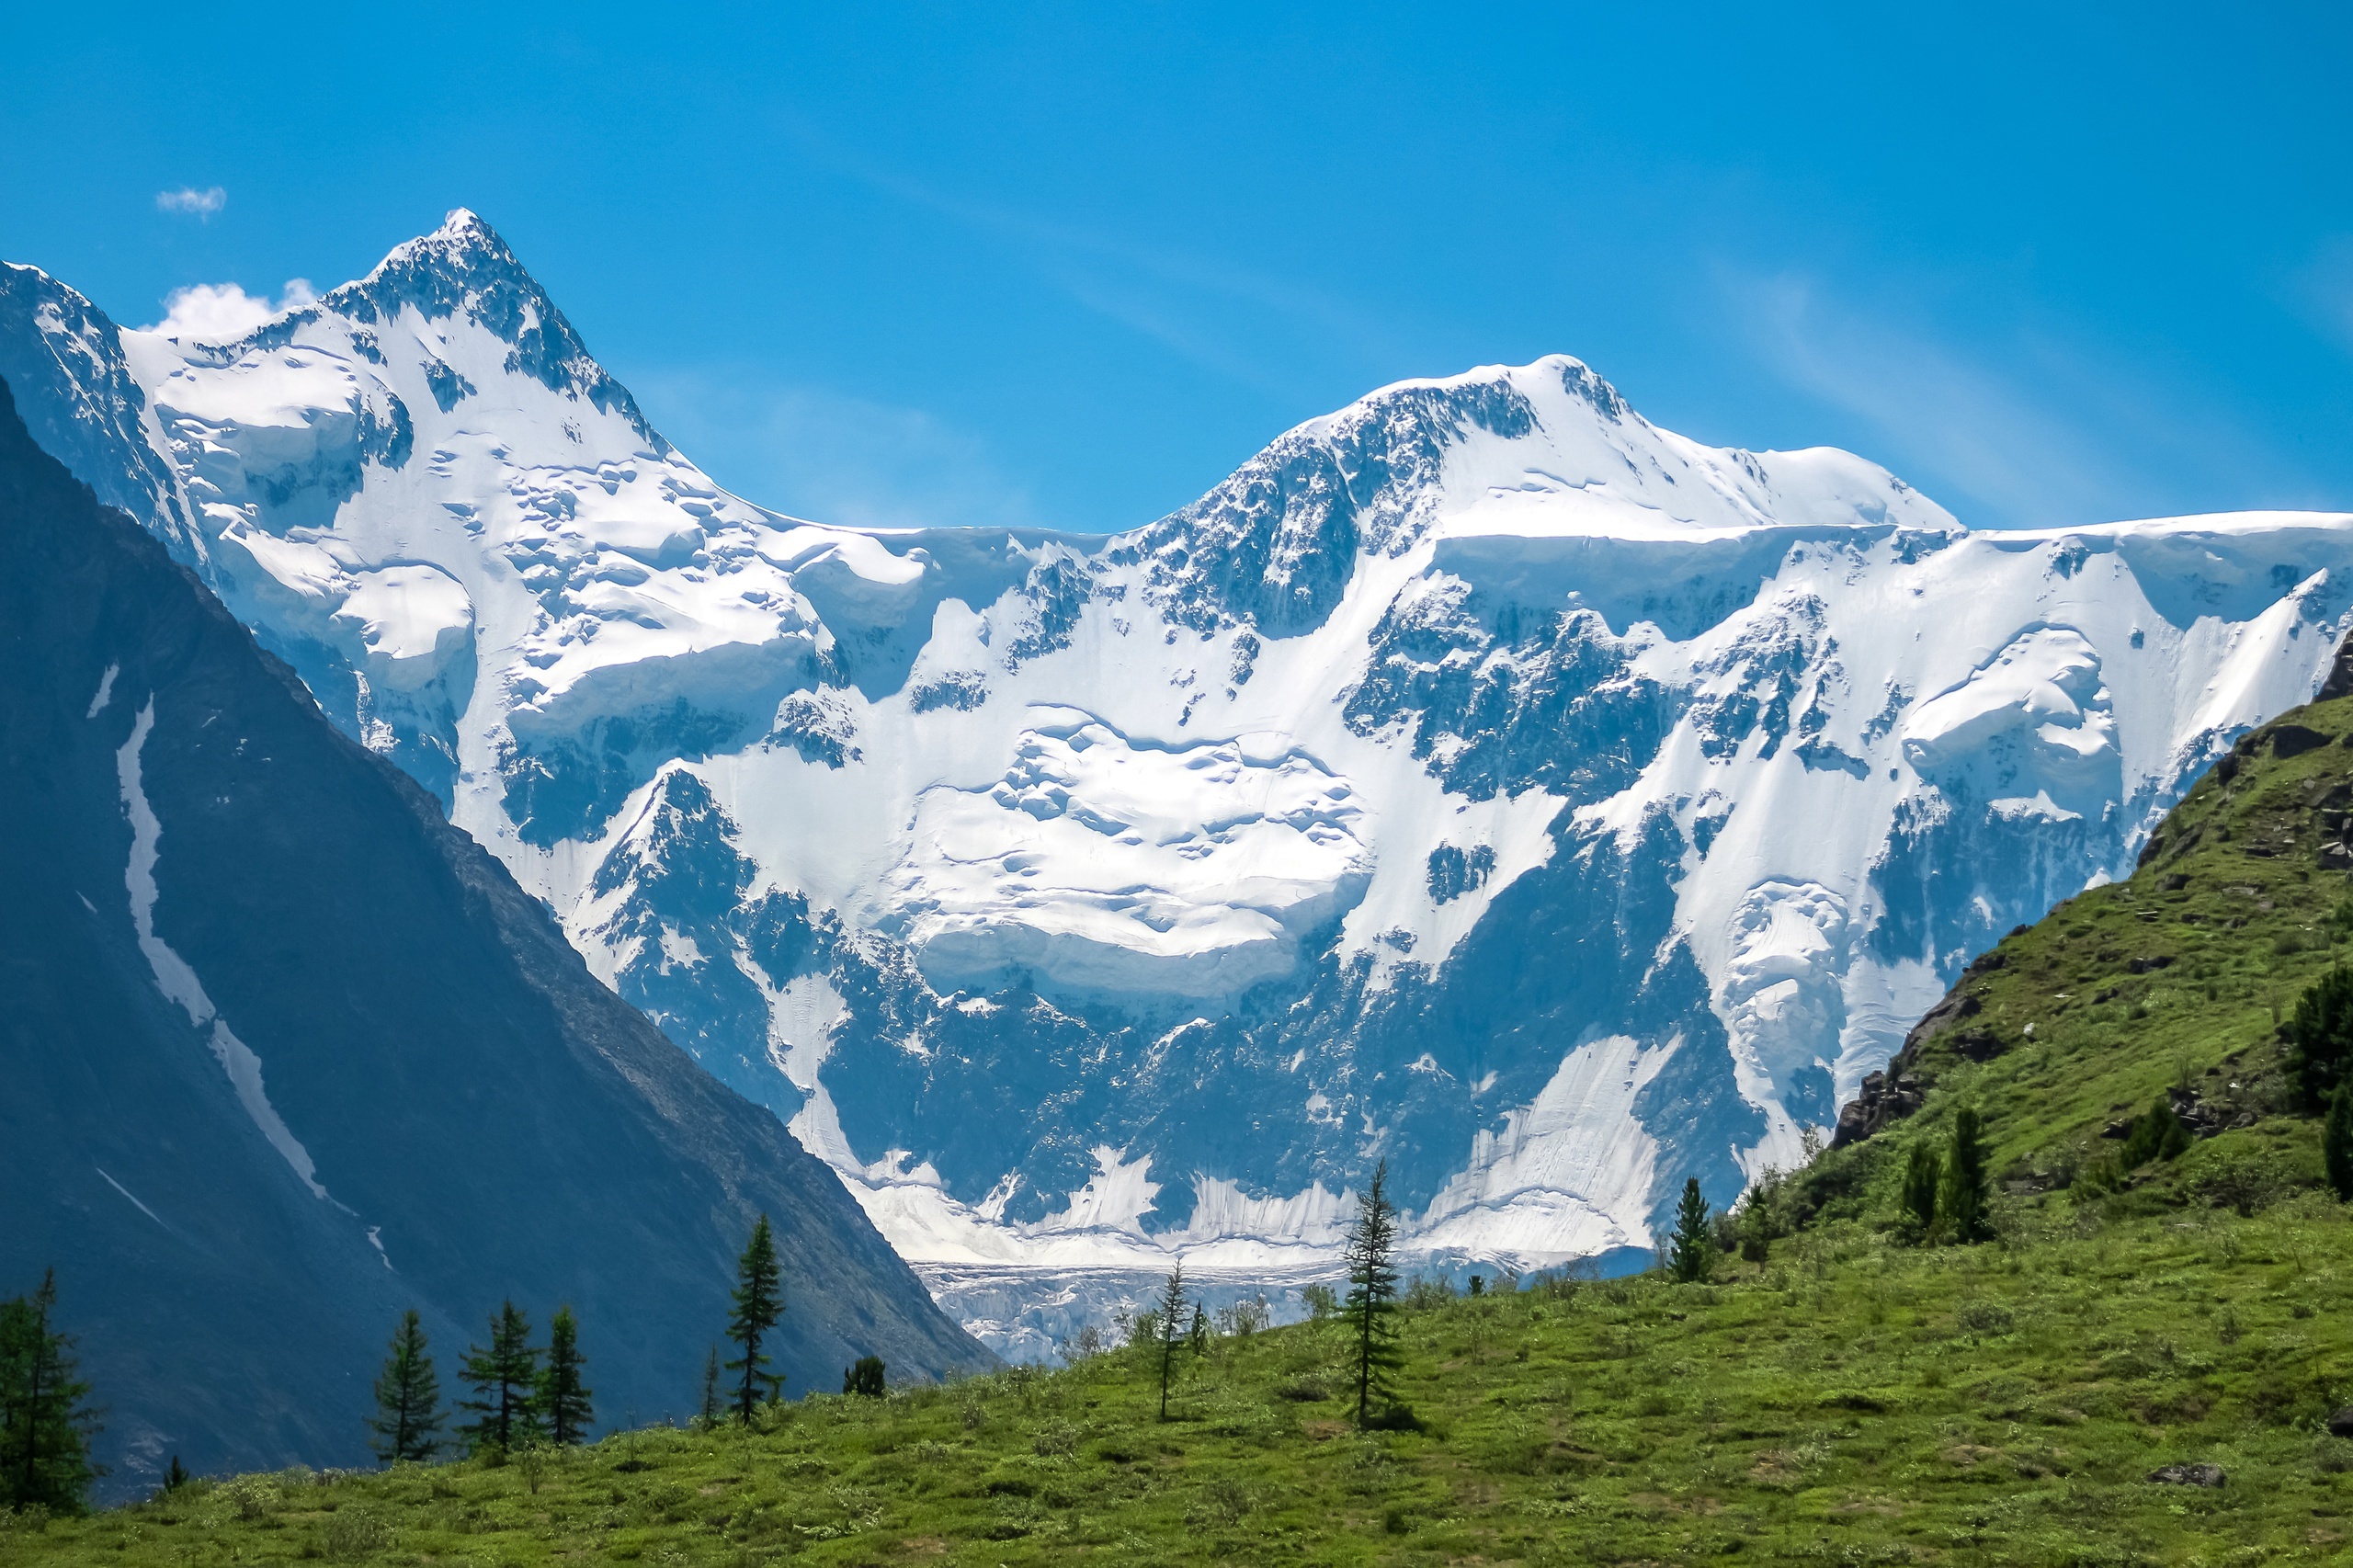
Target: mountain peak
x,y
463,267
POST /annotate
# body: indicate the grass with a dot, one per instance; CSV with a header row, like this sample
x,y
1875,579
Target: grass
x,y
1849,1401
1849,1398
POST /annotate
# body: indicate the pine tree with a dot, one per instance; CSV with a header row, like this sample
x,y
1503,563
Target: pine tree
x,y
758,1300
1924,1172
867,1379
1690,1256
2336,1139
1171,1330
45,1427
1372,1293
504,1378
1200,1335
711,1409
408,1398
563,1402
1966,1196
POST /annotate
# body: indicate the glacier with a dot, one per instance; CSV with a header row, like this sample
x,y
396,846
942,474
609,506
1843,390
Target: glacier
x,y
1481,778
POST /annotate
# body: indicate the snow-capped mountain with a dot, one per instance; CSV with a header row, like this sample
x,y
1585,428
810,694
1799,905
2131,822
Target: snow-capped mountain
x,y
1482,778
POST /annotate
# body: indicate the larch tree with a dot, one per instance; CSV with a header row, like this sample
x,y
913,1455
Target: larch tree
x,y
504,1376
564,1398
758,1300
1691,1253
407,1422
45,1421
1371,1303
1172,1329
1968,1190
1924,1172
712,1407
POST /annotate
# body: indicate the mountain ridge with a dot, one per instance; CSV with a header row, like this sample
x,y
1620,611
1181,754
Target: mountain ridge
x,y
1548,920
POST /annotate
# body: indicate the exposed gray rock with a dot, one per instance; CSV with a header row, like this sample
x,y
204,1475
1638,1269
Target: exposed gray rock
x,y
2188,1475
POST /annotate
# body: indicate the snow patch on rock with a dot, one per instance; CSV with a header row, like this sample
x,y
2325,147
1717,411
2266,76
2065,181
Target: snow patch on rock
x,y
176,980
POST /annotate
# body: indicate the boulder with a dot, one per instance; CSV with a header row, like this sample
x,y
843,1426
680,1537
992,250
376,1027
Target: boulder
x,y
2188,1475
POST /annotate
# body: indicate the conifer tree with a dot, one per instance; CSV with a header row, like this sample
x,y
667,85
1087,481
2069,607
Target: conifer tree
x,y
1373,1292
1172,1326
711,1409
563,1400
758,1300
1924,1172
2337,1141
408,1398
1966,1196
1200,1335
2320,1038
1690,1256
504,1376
45,1426
867,1379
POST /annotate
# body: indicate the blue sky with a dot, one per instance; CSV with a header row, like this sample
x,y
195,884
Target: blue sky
x,y
1070,263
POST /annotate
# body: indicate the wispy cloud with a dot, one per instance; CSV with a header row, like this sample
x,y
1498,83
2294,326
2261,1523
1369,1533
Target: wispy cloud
x,y
199,204
215,312
833,457
1232,321
2028,432
2324,289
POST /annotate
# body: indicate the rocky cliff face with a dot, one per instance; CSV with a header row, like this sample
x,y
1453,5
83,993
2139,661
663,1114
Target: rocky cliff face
x,y
287,1054
1482,778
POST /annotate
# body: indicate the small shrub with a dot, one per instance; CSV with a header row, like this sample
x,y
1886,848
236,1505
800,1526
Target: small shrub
x,y
1224,1501
248,1498
1055,1437
1424,1291
2157,1134
1245,1318
865,1379
354,1533
1984,1317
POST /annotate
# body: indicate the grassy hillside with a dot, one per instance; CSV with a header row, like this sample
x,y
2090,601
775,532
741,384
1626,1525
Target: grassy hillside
x,y
1849,1398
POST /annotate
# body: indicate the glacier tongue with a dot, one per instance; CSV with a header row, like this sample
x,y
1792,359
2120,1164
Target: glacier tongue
x,y
1481,778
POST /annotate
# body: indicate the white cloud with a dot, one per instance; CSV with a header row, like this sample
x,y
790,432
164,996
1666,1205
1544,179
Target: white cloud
x,y
203,203
215,312
833,457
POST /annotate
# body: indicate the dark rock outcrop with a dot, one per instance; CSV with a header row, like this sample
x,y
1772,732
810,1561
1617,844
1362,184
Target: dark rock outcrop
x,y
1896,1093
2188,1475
2294,740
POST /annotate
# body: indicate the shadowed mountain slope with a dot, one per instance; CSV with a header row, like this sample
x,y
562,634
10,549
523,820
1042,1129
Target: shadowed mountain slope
x,y
285,1053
